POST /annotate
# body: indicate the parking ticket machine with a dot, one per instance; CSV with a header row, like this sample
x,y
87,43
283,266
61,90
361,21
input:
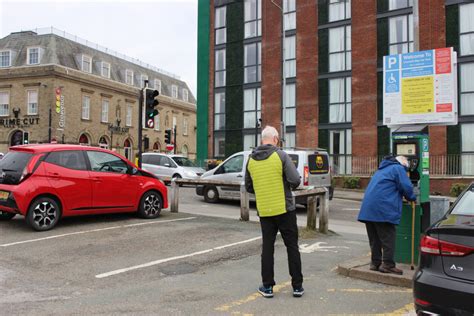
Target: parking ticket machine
x,y
413,143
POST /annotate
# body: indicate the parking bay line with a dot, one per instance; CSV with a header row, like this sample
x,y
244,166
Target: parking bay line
x,y
94,231
156,262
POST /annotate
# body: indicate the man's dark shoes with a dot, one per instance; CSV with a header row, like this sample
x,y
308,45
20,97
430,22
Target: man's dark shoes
x,y
266,291
387,269
298,292
374,267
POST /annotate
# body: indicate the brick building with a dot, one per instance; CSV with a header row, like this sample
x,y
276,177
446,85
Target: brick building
x,y
57,88
333,69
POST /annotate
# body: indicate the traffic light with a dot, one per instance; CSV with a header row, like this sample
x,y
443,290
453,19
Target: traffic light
x,y
168,136
150,103
26,138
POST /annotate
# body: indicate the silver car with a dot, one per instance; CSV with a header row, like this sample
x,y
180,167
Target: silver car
x,y
170,166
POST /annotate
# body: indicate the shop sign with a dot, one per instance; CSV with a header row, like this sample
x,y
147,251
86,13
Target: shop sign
x,y
60,109
19,122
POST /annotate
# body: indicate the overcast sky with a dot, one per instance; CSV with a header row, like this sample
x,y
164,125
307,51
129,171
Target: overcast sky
x,y
162,33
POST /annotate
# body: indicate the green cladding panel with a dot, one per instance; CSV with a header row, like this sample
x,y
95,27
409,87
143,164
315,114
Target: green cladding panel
x,y
202,79
382,40
452,27
383,141
323,101
323,56
323,11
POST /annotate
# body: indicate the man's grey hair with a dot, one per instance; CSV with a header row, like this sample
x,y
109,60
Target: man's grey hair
x,y
403,161
269,132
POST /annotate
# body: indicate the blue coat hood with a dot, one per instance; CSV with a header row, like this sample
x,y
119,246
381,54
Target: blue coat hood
x,y
383,196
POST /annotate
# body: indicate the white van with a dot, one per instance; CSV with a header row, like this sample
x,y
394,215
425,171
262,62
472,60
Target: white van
x,y
312,165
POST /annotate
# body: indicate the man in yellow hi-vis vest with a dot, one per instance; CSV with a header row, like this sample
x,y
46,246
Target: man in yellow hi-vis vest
x,y
271,175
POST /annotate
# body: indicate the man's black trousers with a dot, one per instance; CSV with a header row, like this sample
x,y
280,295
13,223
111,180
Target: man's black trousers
x,y
286,224
382,243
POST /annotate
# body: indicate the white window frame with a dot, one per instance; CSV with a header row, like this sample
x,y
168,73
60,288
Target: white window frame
x,y
28,55
5,106
104,114
395,43
346,49
127,73
142,80
466,36
29,103
290,56
185,126
9,58
102,69
86,107
252,106
220,72
128,117
343,100
157,85
84,57
185,95
174,91
251,25
220,30
289,8
466,89
219,111
339,10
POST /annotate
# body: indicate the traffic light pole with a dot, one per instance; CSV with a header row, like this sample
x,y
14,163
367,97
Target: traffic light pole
x,y
140,126
174,139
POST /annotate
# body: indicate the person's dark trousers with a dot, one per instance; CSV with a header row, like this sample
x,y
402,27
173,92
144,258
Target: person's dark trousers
x,y
382,243
286,224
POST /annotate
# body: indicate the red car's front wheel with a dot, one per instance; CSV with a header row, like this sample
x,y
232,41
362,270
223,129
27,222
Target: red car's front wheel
x,y
150,205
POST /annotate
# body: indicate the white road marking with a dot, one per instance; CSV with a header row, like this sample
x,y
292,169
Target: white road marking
x,y
318,246
95,230
156,262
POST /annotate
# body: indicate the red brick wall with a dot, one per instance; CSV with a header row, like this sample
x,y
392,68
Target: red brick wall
x,y
210,127
307,74
364,79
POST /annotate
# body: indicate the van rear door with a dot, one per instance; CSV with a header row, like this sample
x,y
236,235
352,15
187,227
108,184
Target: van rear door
x,y
318,165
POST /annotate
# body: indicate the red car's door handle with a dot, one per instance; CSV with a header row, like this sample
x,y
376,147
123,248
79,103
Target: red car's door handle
x,y
96,179
53,175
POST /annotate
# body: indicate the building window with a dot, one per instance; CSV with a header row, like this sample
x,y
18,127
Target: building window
x,y
127,148
340,106
340,150
252,107
290,105
157,85
290,57
466,29
174,91
103,143
86,63
142,80
249,141
104,117
400,34
84,140
129,77
128,118
185,126
340,49
33,54
220,25
175,120
185,95
219,111
339,10
184,151
290,140
253,18
5,58
252,62
32,102
220,68
399,4
4,103
467,88
289,7
219,146
105,69
157,122
86,107
467,149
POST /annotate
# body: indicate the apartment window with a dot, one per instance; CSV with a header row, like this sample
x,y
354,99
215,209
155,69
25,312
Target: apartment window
x,y
220,25
399,4
340,49
157,85
219,111
105,69
87,63
289,7
290,104
5,58
174,91
185,126
104,117
290,56
339,10
252,62
252,18
33,54
128,117
466,29
467,148
86,107
4,103
400,34
340,106
252,107
157,122
290,139
129,77
249,141
142,80
219,146
220,68
340,150
185,95
32,108
467,88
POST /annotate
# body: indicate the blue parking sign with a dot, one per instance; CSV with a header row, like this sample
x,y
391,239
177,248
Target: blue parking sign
x,y
392,62
392,81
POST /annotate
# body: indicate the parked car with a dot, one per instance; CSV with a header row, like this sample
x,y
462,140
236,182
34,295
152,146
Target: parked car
x,y
172,166
312,165
444,281
47,182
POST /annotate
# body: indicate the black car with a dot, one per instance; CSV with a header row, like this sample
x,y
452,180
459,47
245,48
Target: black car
x,y
444,281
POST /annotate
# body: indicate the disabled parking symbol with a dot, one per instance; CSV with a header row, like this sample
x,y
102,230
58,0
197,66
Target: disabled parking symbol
x,y
392,81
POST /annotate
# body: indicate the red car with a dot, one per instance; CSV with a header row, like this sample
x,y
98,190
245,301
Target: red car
x,y
50,181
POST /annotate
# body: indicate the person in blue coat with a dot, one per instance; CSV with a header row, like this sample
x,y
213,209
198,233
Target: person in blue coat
x,y
382,208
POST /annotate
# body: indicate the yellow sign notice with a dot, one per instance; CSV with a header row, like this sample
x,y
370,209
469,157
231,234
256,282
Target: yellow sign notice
x,y
417,95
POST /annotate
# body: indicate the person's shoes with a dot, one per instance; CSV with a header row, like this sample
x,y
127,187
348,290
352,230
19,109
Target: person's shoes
x,y
298,292
394,270
374,267
266,291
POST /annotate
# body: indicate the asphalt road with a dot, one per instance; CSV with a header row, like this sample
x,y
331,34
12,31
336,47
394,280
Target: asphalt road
x,y
179,264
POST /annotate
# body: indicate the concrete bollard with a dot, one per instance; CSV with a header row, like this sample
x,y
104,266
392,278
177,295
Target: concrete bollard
x,y
324,212
244,204
174,196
